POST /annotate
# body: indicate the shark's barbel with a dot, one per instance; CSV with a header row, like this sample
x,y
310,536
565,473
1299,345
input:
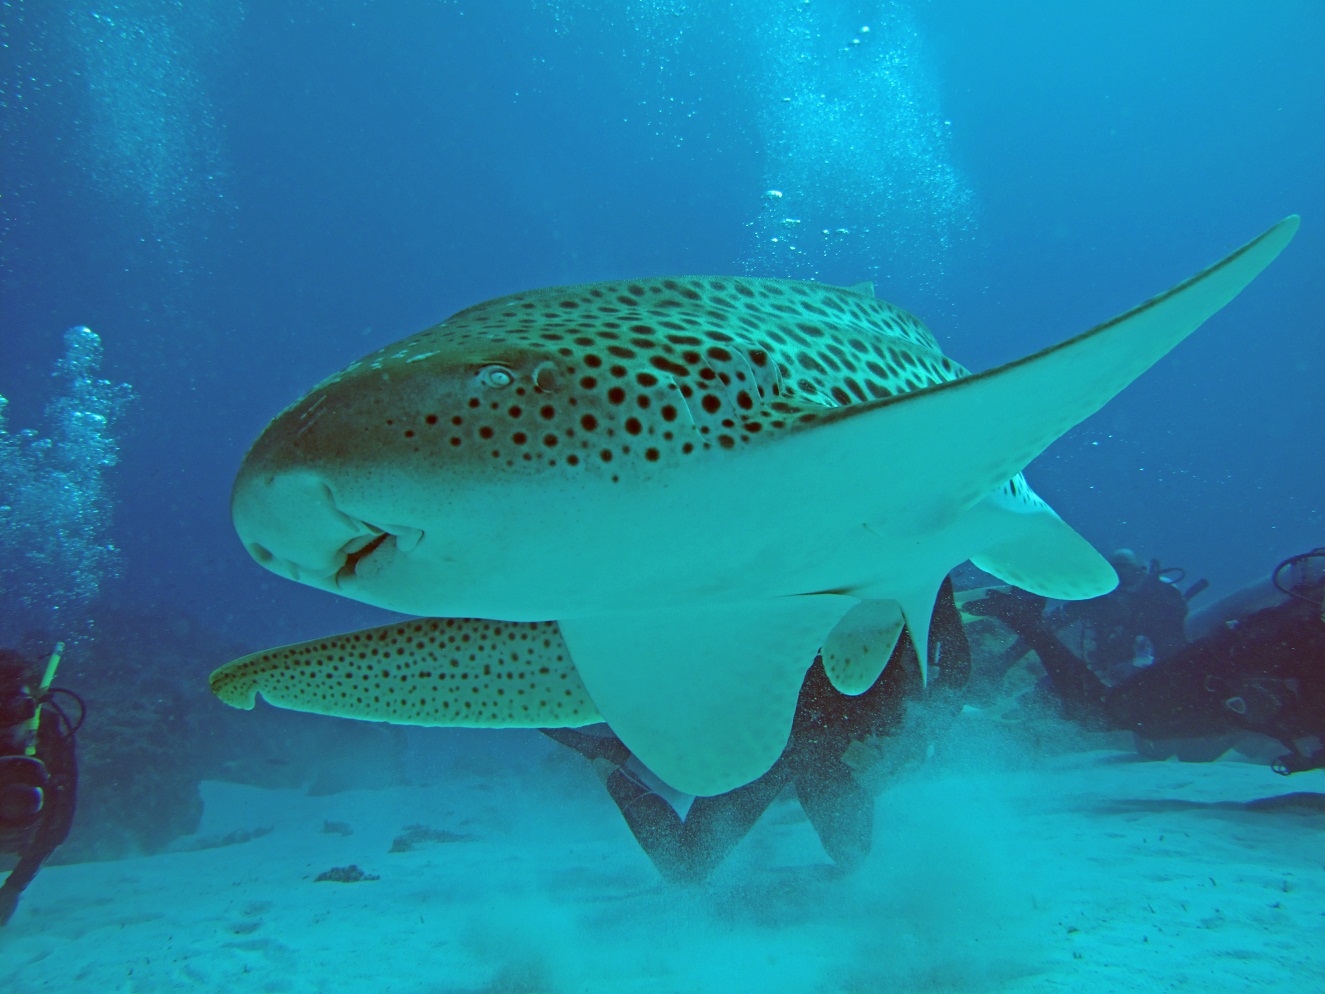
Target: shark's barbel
x,y
700,480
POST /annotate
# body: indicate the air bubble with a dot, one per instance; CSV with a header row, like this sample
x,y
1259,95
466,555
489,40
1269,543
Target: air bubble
x,y
55,505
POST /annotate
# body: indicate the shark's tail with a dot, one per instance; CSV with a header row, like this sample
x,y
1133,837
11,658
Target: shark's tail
x,y
967,440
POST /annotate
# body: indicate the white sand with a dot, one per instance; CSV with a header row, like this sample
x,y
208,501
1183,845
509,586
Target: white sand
x,y
1083,872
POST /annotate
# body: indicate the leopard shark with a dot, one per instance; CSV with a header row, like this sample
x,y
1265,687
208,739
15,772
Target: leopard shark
x,y
651,502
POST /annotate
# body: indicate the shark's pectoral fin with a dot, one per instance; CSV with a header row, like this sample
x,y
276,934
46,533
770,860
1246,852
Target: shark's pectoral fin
x,y
858,648
1050,559
429,671
703,694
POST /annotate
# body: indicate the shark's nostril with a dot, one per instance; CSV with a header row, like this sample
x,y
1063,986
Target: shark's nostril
x,y
291,524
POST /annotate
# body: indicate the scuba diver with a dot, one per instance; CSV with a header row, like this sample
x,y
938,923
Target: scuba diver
x,y
1140,619
1263,673
837,758
38,771
1138,622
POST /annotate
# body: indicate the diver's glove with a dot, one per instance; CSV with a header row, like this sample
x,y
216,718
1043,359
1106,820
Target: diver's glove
x,y
863,754
1019,610
865,760
607,749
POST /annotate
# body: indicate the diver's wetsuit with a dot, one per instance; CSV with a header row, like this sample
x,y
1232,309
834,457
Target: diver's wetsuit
x,y
825,725
1265,674
1151,608
34,842
1110,626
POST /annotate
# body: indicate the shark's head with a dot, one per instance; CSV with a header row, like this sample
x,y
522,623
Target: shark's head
x,y
392,477
365,468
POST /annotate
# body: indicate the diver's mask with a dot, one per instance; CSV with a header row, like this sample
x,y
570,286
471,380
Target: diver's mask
x,y
23,785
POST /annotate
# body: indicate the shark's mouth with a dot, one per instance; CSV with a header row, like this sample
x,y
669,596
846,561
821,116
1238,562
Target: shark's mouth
x,y
367,555
357,551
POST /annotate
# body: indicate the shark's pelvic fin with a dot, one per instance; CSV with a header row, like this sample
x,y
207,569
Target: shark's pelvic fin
x,y
858,648
1031,547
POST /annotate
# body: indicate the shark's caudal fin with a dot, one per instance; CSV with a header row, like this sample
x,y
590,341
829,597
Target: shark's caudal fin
x,y
429,671
992,424
932,467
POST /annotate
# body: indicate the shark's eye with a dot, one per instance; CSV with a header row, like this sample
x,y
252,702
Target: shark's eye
x,y
496,377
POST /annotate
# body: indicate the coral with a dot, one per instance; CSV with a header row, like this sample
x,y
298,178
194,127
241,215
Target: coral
x,y
238,837
147,742
345,875
415,835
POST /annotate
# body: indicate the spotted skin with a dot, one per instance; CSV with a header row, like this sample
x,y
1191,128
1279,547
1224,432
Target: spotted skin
x,y
430,671
647,371
622,383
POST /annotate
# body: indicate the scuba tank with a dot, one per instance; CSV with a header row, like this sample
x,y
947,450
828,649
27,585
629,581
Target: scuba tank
x,y
1302,571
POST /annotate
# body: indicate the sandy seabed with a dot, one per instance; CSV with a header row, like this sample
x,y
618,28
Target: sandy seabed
x,y
991,871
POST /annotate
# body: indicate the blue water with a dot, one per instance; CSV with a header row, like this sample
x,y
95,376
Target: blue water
x,y
242,198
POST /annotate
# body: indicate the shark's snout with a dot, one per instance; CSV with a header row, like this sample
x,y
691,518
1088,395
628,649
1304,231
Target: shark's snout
x,y
290,523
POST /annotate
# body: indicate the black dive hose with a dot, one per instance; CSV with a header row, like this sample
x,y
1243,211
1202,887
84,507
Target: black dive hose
x,y
1316,553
